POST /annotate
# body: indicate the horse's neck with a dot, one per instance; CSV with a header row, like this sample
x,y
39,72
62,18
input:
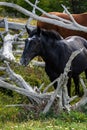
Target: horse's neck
x,y
52,55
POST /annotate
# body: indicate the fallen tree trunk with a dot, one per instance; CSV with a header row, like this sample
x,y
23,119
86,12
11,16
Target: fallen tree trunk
x,y
72,25
16,26
43,99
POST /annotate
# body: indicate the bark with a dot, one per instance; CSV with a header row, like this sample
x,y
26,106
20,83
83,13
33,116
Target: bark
x,y
47,20
45,99
7,48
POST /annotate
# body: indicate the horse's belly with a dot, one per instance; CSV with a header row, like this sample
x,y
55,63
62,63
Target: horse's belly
x,y
79,64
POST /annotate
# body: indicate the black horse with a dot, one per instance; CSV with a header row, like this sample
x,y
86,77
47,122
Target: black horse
x,y
56,51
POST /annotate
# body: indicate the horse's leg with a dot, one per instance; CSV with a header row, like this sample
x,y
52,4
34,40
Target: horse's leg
x,y
76,82
52,75
69,86
86,73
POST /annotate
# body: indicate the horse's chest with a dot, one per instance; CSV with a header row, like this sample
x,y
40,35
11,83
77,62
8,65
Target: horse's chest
x,y
57,68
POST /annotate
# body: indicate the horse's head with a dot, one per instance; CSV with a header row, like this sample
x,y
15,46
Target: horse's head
x,y
39,42
32,46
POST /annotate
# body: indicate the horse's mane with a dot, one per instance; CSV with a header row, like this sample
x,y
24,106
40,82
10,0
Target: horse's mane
x,y
48,34
33,32
52,34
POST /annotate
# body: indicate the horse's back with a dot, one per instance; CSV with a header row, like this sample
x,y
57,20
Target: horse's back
x,y
76,41
79,64
80,19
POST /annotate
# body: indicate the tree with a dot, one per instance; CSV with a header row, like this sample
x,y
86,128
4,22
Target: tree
x,y
78,6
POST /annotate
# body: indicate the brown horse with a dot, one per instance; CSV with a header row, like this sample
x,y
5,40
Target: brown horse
x,y
80,19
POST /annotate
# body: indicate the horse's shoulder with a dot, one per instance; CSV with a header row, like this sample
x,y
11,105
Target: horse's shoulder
x,y
75,38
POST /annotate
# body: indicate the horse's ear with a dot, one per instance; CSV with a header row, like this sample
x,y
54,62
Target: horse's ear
x,y
27,29
38,31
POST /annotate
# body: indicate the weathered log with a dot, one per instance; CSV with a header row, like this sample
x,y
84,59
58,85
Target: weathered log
x,y
60,93
43,19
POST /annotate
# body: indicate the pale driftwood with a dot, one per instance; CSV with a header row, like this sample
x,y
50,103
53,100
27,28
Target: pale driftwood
x,y
38,63
8,40
6,51
49,15
60,93
33,11
72,19
28,106
83,100
16,26
17,52
38,98
18,79
7,48
2,68
22,87
43,19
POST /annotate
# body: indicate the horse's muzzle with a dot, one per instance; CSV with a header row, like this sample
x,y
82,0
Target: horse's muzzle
x,y
23,62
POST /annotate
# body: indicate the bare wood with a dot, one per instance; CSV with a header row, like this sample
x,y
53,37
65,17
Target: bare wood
x,y
43,19
33,11
7,48
83,100
6,24
38,63
16,26
72,19
20,105
18,79
49,15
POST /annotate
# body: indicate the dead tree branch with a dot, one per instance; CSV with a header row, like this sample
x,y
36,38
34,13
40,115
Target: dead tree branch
x,y
43,19
33,11
60,93
83,100
49,15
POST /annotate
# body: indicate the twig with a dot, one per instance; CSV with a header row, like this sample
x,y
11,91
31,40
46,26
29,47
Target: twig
x,y
44,19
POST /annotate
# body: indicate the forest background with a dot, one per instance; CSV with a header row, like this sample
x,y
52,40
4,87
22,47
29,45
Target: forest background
x,y
74,6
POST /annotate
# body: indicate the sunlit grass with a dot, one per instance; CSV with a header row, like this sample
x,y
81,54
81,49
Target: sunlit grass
x,y
47,124
20,20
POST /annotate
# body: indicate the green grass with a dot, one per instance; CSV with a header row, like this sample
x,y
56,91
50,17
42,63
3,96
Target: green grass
x,y
63,122
17,118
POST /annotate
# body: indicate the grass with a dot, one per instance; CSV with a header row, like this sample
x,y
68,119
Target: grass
x,y
63,122
16,118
